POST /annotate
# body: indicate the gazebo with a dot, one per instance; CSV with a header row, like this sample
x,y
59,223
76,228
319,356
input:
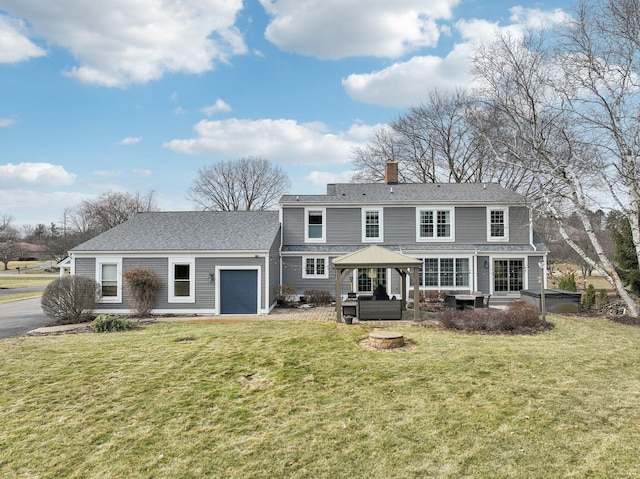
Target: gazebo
x,y
375,256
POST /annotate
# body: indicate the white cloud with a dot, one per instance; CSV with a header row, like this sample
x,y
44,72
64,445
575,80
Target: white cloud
x,y
218,106
141,172
15,45
119,42
322,178
26,206
130,140
6,122
536,18
107,173
34,174
284,141
407,83
178,111
333,29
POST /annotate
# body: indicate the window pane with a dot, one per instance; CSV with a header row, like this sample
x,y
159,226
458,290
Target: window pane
x,y
431,272
501,275
320,266
426,224
315,217
181,283
497,223
462,272
315,231
446,272
181,271
309,266
109,272
181,288
109,280
372,227
444,224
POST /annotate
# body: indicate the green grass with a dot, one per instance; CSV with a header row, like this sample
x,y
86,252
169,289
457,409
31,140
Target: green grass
x,y
18,296
266,399
25,281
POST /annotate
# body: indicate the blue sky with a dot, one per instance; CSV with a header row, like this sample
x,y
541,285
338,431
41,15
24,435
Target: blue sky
x,y
137,95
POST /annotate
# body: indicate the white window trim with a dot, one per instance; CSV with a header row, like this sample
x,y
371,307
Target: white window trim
x,y
380,237
439,287
498,239
322,239
118,262
305,275
192,280
435,239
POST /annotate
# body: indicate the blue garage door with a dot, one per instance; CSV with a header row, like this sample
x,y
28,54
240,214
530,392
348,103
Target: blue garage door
x,y
238,291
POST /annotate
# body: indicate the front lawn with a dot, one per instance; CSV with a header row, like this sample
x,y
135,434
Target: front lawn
x,y
278,398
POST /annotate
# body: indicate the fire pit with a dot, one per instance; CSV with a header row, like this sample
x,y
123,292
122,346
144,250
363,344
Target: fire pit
x,y
386,339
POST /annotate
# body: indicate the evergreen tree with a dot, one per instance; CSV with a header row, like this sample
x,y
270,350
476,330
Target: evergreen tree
x,y
626,258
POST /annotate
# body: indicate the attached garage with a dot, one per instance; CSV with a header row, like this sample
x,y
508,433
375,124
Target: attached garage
x,y
238,291
208,262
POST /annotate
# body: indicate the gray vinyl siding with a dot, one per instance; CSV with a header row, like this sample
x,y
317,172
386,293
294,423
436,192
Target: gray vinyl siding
x,y
86,267
399,226
344,225
292,275
274,270
484,274
205,290
293,226
534,272
471,225
519,225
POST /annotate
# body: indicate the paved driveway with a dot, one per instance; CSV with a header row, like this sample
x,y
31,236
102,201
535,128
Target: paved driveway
x,y
18,317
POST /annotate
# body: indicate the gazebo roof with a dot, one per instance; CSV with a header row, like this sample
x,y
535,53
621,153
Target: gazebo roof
x,y
375,256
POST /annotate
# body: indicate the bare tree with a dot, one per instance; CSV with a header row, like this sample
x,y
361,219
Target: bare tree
x,y
561,116
93,217
8,240
249,184
437,141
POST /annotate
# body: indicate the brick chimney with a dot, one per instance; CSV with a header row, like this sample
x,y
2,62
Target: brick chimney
x,y
391,172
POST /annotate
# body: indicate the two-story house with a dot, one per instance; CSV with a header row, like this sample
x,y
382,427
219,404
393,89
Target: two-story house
x,y
467,237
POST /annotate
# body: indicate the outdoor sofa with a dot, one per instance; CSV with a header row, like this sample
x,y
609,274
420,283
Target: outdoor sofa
x,y
370,308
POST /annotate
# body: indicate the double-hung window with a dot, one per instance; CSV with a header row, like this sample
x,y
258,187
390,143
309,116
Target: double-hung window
x,y
435,224
109,277
182,280
315,225
315,267
497,224
372,225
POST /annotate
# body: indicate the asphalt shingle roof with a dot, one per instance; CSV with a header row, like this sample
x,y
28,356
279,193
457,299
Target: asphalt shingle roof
x,y
190,231
382,193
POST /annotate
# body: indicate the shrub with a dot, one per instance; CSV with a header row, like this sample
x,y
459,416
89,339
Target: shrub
x,y
603,298
589,297
568,282
286,294
143,284
106,323
519,317
318,297
70,299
